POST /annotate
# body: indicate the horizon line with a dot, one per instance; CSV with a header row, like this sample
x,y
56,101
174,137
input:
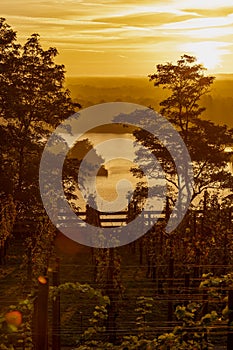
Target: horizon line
x,y
129,76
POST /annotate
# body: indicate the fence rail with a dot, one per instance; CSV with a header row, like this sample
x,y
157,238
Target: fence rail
x,y
118,219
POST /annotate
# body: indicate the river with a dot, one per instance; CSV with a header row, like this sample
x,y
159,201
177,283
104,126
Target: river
x,y
118,151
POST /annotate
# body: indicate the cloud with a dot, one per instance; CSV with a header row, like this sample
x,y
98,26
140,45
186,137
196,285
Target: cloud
x,y
129,28
200,4
205,22
145,19
212,12
207,33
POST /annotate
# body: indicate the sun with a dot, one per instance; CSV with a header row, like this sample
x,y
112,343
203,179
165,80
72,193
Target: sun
x,y
207,53
209,59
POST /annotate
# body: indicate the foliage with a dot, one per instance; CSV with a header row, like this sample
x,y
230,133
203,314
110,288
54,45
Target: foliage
x,y
193,332
91,336
103,263
186,83
80,288
33,102
75,157
7,218
205,238
216,288
39,247
143,309
195,326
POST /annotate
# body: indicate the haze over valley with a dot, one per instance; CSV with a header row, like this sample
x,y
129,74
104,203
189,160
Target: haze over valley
x,y
94,90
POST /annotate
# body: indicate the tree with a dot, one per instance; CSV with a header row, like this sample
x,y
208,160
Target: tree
x,y
73,183
9,52
33,102
186,83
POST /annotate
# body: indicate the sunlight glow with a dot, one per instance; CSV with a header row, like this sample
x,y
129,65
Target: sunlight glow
x,y
200,4
209,53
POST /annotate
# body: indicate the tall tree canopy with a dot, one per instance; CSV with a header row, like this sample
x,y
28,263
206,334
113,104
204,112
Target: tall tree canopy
x,y
186,83
33,101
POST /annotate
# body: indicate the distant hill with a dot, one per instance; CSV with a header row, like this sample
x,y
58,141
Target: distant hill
x,y
93,90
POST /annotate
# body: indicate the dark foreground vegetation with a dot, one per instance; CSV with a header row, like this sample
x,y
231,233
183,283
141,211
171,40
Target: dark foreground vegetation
x,y
163,291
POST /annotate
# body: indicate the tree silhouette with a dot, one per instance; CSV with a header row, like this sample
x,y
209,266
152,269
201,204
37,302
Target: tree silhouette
x,y
9,52
187,83
33,102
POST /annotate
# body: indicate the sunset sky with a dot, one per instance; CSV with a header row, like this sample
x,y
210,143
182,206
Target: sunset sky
x,y
127,37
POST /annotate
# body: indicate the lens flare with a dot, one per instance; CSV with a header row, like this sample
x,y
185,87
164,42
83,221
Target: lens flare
x,y
14,318
42,280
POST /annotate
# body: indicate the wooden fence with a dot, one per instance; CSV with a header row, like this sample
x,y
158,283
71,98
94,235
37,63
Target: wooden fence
x,y
121,218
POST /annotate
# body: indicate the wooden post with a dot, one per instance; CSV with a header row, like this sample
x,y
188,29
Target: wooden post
x,y
41,316
92,255
167,210
170,289
204,211
154,268
29,265
202,224
34,322
230,217
2,252
230,320
196,270
225,252
194,224
141,251
133,247
56,323
148,266
205,201
111,321
161,247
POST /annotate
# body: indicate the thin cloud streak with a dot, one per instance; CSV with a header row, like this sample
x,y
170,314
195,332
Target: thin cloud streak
x,y
201,23
109,27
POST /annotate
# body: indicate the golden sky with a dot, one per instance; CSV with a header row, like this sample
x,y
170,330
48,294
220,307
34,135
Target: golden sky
x,y
127,37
